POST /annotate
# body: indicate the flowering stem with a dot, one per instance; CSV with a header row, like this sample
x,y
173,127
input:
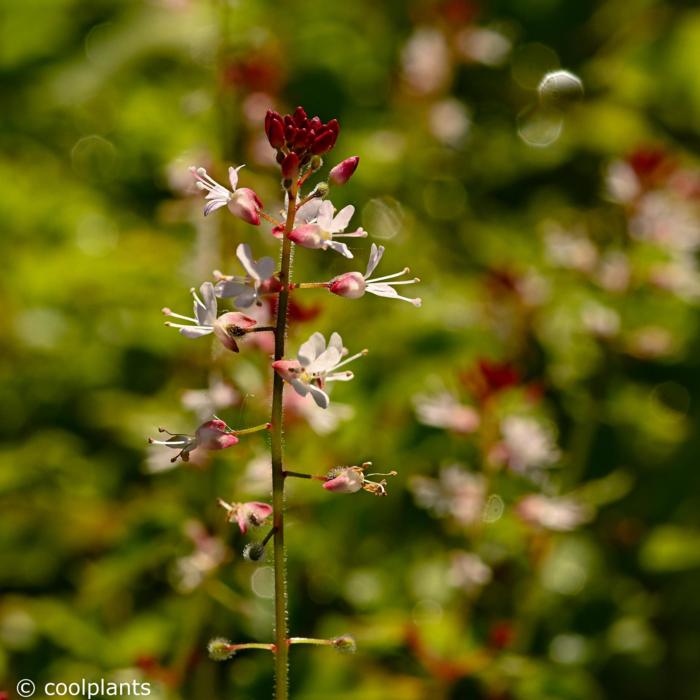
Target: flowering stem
x,y
302,475
310,285
310,640
254,429
281,668
251,645
267,217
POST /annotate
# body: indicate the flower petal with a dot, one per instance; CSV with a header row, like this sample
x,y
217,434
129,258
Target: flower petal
x,y
195,331
206,315
231,288
325,361
307,212
245,255
342,219
374,257
319,396
339,247
214,205
325,215
233,177
311,349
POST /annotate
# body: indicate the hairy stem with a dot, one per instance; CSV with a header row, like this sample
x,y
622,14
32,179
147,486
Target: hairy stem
x,y
281,656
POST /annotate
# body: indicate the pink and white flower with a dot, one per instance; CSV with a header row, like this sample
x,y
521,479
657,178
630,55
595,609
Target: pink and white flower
x,y
320,234
246,291
211,435
249,514
227,327
354,479
316,365
241,201
353,285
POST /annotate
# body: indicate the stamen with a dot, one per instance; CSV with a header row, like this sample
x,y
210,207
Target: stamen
x,y
170,312
388,277
196,298
362,353
360,233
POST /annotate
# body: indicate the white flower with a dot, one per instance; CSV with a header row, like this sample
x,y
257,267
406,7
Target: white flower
x,y
226,327
528,443
444,411
315,365
353,285
321,232
241,202
245,291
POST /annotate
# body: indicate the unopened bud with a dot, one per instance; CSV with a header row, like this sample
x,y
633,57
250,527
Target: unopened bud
x,y
321,190
316,162
290,166
253,551
274,129
220,649
345,644
342,172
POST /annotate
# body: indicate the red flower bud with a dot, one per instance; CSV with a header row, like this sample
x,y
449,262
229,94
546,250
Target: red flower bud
x,y
300,116
290,166
274,128
342,172
323,143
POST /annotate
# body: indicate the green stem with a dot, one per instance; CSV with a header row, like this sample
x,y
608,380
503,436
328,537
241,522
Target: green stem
x,y
310,640
310,285
304,475
281,664
254,429
251,645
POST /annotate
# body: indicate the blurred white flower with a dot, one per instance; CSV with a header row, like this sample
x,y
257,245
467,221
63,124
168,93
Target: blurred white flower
x,y
562,514
668,220
622,183
680,276
614,271
456,493
425,61
600,320
444,411
322,421
468,571
570,251
528,443
208,402
209,553
482,45
449,121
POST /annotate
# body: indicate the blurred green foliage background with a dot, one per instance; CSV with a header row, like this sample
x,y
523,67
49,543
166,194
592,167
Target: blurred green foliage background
x,y
557,251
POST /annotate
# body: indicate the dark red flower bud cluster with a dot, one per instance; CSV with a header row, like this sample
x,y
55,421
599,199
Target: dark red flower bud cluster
x,y
297,135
